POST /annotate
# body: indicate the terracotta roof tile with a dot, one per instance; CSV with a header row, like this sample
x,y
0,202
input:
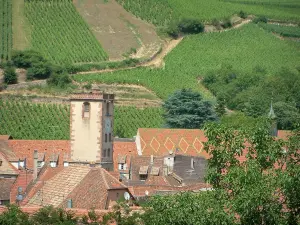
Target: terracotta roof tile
x,y
5,137
6,168
123,149
5,187
159,142
87,96
6,150
25,148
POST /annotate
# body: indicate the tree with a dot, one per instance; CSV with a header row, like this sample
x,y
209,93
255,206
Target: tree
x,y
59,80
220,107
187,109
14,216
10,76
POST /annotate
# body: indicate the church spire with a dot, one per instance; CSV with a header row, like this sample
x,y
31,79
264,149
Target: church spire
x,y
273,117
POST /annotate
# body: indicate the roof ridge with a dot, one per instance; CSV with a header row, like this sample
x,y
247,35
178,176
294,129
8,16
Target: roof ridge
x,y
111,176
104,178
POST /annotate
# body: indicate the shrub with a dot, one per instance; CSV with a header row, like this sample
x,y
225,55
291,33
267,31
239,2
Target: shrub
x,y
10,76
226,23
216,23
59,80
260,19
242,14
25,59
185,26
40,70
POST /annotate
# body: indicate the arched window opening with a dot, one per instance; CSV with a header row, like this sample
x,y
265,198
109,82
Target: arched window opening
x,y
108,152
107,108
105,137
104,153
86,110
109,137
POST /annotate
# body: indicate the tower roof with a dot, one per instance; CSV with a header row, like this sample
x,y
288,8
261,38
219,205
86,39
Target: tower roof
x,y
271,114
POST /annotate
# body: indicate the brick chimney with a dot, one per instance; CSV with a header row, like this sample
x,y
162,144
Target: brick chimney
x,y
35,164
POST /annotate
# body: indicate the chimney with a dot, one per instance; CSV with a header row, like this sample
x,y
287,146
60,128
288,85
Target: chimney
x,y
35,164
151,160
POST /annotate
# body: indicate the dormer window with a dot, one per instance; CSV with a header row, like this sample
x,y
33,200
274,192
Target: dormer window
x,y
86,110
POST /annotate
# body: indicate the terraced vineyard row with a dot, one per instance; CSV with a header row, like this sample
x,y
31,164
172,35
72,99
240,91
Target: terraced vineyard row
x,y
286,31
60,34
5,29
244,49
160,12
25,120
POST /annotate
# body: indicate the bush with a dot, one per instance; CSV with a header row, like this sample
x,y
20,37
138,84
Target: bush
x,y
226,23
25,59
216,23
40,70
185,26
59,80
260,19
243,15
10,76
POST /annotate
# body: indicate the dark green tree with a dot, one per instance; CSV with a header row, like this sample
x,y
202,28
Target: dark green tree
x,y
220,107
187,109
10,76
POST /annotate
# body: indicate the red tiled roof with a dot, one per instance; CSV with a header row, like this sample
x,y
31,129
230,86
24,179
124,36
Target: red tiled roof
x,y
25,148
181,141
5,187
87,96
6,168
7,151
284,134
127,149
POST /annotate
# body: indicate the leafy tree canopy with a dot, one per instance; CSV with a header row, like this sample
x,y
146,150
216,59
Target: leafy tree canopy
x,y
187,109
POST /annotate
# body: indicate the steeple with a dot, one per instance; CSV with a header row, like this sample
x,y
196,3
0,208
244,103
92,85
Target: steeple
x,y
273,117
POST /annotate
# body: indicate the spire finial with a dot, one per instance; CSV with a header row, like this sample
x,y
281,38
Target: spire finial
x,y
271,114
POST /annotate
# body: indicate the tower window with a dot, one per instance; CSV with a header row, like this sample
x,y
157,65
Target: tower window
x,y
104,153
86,110
108,152
109,137
105,138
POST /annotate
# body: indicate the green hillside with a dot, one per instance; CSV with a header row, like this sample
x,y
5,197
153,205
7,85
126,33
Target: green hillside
x,y
25,120
160,12
244,49
60,34
5,29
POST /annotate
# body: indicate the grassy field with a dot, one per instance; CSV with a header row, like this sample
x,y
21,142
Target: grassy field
x,y
60,33
26,120
207,10
5,29
285,31
244,49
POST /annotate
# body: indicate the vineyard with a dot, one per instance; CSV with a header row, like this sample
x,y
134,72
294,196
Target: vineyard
x,y
25,120
60,33
206,10
5,29
244,49
285,31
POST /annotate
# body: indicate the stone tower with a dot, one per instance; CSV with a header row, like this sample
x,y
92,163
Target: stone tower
x,y
91,128
273,118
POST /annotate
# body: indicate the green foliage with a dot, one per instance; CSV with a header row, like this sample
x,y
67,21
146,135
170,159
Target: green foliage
x,y
256,187
243,15
51,215
196,55
25,59
25,120
220,106
128,119
187,208
14,216
60,33
5,29
39,70
260,19
226,23
187,109
206,10
251,93
286,31
10,76
185,26
59,80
